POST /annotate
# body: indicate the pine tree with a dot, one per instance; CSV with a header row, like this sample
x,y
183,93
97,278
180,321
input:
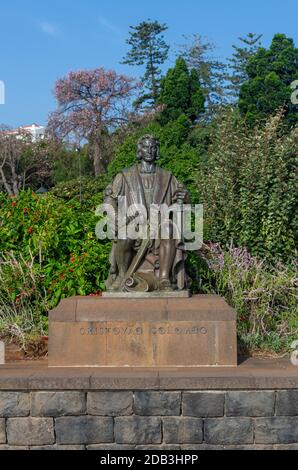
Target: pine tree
x,y
238,63
198,55
148,48
181,93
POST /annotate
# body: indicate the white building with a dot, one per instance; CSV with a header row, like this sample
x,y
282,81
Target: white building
x,y
37,132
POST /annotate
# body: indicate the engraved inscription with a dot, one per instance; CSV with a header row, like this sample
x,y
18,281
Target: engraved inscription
x,y
177,330
114,331
153,329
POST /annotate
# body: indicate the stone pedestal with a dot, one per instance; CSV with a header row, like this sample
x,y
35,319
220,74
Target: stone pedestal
x,y
155,332
2,352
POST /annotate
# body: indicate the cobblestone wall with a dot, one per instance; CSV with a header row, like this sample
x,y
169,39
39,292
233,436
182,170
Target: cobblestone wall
x,y
169,420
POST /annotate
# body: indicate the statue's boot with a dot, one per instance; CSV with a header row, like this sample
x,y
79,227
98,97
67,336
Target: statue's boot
x,y
165,284
115,286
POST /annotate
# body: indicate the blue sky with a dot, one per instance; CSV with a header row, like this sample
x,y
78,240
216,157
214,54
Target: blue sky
x,y
43,40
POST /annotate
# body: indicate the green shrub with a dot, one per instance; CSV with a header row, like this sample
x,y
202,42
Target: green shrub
x,y
68,164
23,300
59,236
248,187
265,297
88,191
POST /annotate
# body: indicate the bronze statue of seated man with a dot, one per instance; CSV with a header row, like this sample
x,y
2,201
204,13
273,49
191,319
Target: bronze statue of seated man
x,y
147,264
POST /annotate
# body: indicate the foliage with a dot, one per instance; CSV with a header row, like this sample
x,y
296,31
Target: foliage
x,y
180,93
23,299
88,191
270,74
59,235
247,49
265,297
248,187
22,162
89,103
200,138
148,48
68,164
198,55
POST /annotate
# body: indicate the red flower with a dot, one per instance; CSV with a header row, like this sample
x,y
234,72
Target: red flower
x,y
25,210
62,276
71,270
72,260
13,203
30,230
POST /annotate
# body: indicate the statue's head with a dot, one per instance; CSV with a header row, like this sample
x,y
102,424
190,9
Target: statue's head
x,y
148,148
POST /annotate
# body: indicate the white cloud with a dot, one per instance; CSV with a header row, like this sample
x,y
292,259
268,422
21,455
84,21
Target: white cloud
x,y
48,28
108,25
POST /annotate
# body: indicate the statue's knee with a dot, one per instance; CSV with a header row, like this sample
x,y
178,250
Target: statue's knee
x,y
124,244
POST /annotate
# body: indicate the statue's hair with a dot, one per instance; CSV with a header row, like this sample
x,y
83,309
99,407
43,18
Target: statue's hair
x,y
148,137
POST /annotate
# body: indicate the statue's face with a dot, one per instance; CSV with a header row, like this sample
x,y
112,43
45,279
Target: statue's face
x,y
148,150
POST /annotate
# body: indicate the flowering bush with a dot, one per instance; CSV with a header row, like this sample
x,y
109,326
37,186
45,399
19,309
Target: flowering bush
x,y
52,243
264,297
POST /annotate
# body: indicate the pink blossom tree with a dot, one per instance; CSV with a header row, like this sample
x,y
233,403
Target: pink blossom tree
x,y
91,104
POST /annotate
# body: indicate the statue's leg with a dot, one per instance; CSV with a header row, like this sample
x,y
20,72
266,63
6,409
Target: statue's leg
x,y
123,255
167,251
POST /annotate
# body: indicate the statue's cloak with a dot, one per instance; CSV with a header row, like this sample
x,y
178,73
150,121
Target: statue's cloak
x,y
128,183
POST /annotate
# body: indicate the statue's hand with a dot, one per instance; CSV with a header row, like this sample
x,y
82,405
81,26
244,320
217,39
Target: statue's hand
x,y
180,195
108,191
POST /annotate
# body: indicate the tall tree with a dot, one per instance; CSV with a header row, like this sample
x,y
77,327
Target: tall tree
x,y
181,93
148,48
270,75
198,53
91,103
22,162
238,62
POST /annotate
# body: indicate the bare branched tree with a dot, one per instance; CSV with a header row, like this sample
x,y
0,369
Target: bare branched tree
x,y
21,160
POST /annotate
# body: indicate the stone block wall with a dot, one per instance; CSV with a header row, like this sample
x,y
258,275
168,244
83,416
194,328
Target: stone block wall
x,y
150,419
